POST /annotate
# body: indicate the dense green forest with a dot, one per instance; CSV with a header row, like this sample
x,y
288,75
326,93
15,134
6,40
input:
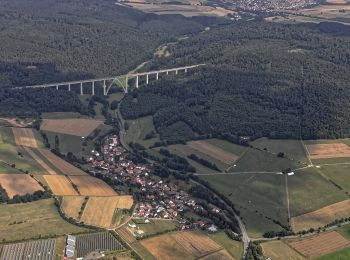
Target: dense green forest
x,y
261,79
47,40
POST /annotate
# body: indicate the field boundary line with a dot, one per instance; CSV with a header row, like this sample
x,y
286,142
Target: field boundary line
x,y
307,151
287,196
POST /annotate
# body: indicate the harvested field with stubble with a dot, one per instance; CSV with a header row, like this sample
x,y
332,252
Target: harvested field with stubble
x,y
91,186
321,217
213,151
60,185
19,184
39,161
330,150
99,211
71,205
320,244
280,250
24,137
65,167
74,126
180,245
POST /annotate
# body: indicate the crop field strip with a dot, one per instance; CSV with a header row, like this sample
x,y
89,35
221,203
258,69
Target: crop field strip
x,y
60,185
92,186
71,205
280,250
75,126
38,250
328,150
221,255
97,241
320,244
19,184
61,164
25,137
39,161
321,217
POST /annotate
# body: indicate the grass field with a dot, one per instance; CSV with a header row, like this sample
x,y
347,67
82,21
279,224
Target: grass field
x,y
252,192
343,254
155,226
71,205
344,231
72,126
33,219
91,186
62,115
19,184
138,129
180,245
321,217
222,255
227,146
309,191
293,149
318,245
338,173
233,247
279,250
50,169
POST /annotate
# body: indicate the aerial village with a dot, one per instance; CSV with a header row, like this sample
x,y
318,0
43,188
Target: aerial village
x,y
160,201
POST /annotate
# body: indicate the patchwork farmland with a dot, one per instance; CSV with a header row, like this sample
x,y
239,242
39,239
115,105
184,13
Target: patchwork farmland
x,y
60,185
320,244
71,205
74,126
19,184
91,186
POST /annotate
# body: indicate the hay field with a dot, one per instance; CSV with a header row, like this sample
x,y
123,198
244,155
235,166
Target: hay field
x,y
219,255
213,151
333,150
99,211
62,165
73,126
71,205
19,184
33,219
320,244
24,137
321,217
39,161
91,186
279,250
60,185
180,245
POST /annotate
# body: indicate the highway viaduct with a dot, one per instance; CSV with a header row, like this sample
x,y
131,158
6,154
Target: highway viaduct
x,y
108,82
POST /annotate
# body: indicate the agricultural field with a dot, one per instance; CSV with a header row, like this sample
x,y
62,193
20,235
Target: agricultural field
x,y
279,250
256,196
91,186
138,129
24,137
310,191
343,254
155,226
103,241
71,205
62,115
126,234
60,185
32,152
72,126
24,221
65,167
19,184
324,151
321,217
233,247
320,244
180,245
43,249
222,255
337,173
100,211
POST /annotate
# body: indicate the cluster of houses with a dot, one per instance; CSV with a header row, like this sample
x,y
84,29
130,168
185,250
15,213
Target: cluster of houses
x,y
158,199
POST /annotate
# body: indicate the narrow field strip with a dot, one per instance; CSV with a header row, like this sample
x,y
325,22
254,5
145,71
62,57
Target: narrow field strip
x,y
24,137
39,161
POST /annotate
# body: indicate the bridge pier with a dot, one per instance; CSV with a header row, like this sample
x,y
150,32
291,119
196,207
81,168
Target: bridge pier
x,y
167,72
57,87
185,70
137,81
69,87
93,88
126,84
176,72
147,79
104,88
157,76
81,89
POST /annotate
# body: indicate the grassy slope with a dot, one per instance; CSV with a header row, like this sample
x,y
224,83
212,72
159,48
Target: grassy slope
x,y
338,173
157,226
309,191
227,146
234,248
251,192
343,254
33,219
138,129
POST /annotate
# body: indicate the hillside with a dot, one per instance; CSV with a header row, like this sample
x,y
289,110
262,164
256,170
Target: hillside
x,y
261,79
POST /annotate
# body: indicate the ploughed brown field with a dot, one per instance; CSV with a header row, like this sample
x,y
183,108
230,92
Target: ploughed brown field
x,y
321,217
60,185
320,244
24,137
91,186
75,126
213,151
19,184
65,167
323,151
180,245
99,211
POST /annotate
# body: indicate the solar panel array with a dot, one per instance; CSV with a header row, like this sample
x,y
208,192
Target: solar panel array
x,y
32,250
103,241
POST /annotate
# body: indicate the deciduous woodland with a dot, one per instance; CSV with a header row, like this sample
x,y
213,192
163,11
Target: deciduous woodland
x,y
261,79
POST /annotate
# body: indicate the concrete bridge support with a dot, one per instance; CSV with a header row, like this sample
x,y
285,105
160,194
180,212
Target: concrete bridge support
x,y
104,88
93,88
57,87
147,79
137,81
69,88
81,89
157,76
